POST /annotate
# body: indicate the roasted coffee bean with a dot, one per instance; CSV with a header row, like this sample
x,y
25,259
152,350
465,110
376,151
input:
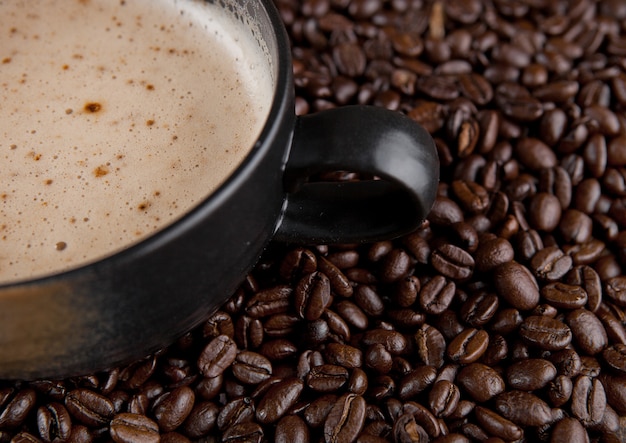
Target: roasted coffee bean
x,y
268,302
587,330
312,295
505,321
497,425
316,412
615,289
405,429
236,411
278,349
393,341
251,368
588,400
545,333
481,382
560,390
352,314
479,309
89,407
516,284
569,429
278,400
201,420
589,280
368,300
423,417
535,154
492,253
515,406
430,345
468,346
452,262
248,432
530,375
472,196
291,428
16,409
550,263
343,355
296,263
567,362
561,295
327,378
54,422
248,332
172,408
217,356
476,88
219,323
615,357
416,381
345,420
127,427
436,295
443,398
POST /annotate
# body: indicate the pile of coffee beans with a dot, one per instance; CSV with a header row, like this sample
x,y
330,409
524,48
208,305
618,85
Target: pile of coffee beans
x,y
502,318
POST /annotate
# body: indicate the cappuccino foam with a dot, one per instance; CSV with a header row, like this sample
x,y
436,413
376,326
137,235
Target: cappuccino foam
x,y
116,118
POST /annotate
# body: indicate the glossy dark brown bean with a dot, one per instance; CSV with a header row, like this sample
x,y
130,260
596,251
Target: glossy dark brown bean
x,y
452,262
89,407
615,289
492,253
201,420
327,378
587,330
343,355
127,428
345,420
251,367
514,405
247,432
545,333
416,381
172,408
479,309
312,295
392,341
468,346
561,295
278,399
54,422
16,407
291,428
615,357
497,425
218,354
551,263
430,345
443,398
516,284
369,300
531,374
560,390
436,295
481,382
588,400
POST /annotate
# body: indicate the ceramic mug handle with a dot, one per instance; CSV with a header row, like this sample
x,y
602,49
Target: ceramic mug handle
x,y
367,140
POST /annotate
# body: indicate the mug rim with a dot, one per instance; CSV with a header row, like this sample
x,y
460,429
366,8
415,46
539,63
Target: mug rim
x,y
280,102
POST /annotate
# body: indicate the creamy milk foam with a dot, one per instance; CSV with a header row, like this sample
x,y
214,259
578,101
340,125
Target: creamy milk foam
x,y
116,118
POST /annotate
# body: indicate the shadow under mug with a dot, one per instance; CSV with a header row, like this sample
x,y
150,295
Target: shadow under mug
x,y
141,299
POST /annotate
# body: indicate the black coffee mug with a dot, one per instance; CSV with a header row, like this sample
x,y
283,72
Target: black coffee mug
x,y
141,299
